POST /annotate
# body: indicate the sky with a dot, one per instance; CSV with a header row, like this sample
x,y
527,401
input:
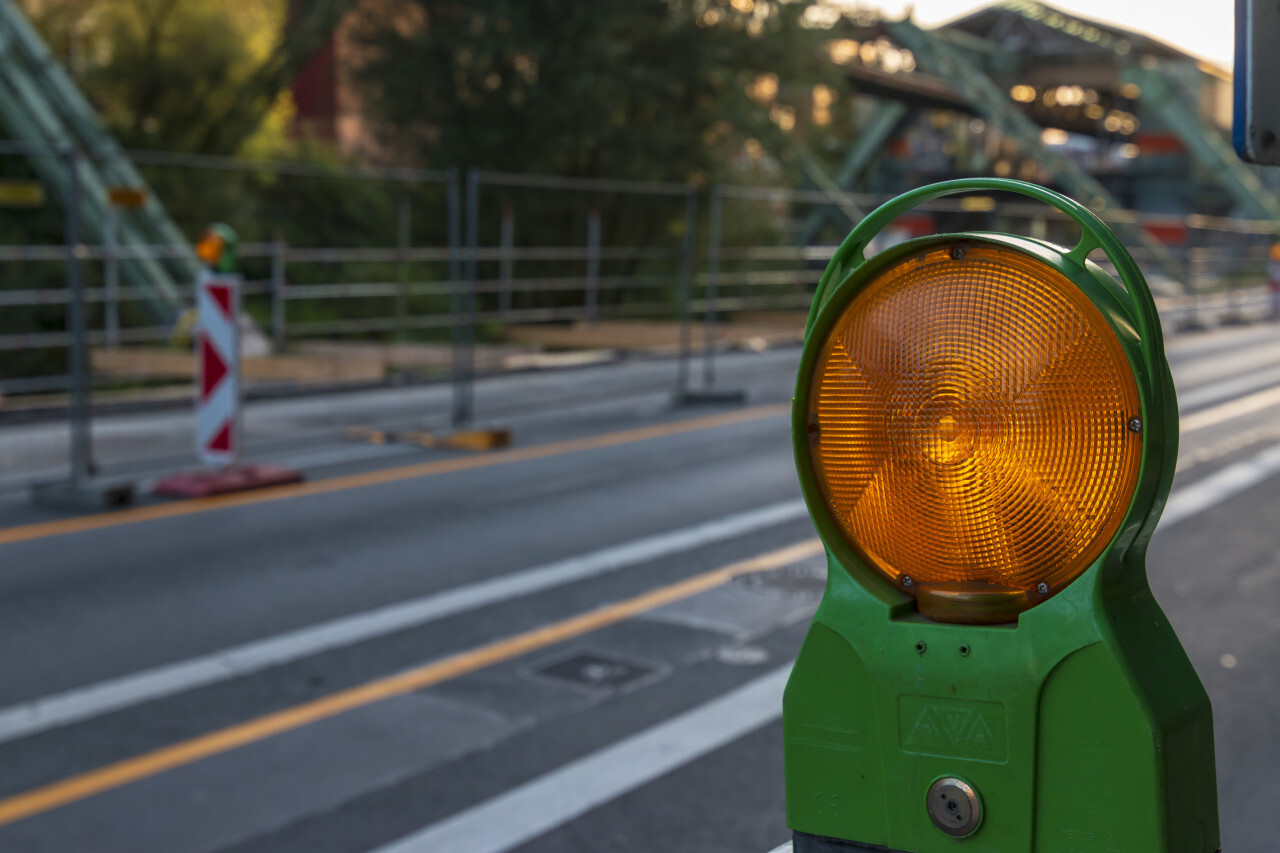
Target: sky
x,y
1204,28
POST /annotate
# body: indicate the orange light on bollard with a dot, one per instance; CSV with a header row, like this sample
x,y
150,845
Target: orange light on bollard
x,y
985,431
979,433
209,249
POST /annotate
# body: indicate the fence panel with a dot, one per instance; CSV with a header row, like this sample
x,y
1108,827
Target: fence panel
x,y
358,282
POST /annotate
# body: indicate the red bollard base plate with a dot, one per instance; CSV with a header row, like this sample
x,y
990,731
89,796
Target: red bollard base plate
x,y
235,478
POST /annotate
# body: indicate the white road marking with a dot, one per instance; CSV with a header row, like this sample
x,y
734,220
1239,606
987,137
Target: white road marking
x,y
342,455
25,719
1215,391
304,459
146,481
538,806
542,804
1220,485
1235,442
1234,409
1259,577
84,703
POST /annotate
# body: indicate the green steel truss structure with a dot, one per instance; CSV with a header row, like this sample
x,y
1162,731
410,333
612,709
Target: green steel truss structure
x,y
42,109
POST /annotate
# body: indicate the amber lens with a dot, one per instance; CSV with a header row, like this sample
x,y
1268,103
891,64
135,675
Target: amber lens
x,y
209,249
968,421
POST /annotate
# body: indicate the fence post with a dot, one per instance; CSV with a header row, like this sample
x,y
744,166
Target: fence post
x,y
278,330
82,466
453,223
111,276
1195,319
1234,315
714,215
402,265
685,276
506,241
593,265
463,307
1189,321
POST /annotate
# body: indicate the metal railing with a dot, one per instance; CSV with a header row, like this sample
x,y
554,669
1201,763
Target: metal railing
x,y
1208,269
500,254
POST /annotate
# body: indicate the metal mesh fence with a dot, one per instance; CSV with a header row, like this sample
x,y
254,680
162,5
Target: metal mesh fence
x,y
361,282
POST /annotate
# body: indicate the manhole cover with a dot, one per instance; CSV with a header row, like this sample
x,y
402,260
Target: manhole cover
x,y
802,582
595,671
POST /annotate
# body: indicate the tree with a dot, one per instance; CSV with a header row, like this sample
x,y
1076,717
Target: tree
x,y
671,90
645,89
187,75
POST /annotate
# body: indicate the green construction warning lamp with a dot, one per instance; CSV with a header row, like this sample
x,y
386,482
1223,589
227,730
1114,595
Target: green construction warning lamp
x,y
985,431
218,247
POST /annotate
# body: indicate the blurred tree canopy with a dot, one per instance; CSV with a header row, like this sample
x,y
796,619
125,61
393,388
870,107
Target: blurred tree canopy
x,y
641,89
673,90
201,76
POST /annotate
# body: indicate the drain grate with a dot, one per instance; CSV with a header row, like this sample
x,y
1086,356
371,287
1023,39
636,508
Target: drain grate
x,y
801,582
596,672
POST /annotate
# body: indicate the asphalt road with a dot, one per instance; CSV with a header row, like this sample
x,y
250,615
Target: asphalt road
x,y
302,430
578,644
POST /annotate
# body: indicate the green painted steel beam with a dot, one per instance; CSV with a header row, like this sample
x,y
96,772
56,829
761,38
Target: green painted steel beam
x,y
945,60
871,139
43,107
823,180
82,120
1175,109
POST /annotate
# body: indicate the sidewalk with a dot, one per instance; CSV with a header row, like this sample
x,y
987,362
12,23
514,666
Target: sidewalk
x,y
756,332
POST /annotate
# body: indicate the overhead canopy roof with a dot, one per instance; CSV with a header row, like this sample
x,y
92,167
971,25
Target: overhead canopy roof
x,y
1037,30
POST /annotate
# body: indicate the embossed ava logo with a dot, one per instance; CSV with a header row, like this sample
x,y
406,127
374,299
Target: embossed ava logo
x,y
938,726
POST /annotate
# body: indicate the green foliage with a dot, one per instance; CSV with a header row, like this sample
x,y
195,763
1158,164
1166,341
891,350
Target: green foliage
x,y
641,89
669,90
187,75
672,90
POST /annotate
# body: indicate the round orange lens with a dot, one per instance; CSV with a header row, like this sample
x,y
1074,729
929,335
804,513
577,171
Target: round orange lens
x,y
209,249
969,420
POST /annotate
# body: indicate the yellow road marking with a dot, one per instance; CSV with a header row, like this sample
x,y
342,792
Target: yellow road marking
x,y
94,782
43,530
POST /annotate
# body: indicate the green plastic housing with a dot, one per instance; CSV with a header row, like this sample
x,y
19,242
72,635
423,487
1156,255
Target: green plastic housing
x,y
1083,726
